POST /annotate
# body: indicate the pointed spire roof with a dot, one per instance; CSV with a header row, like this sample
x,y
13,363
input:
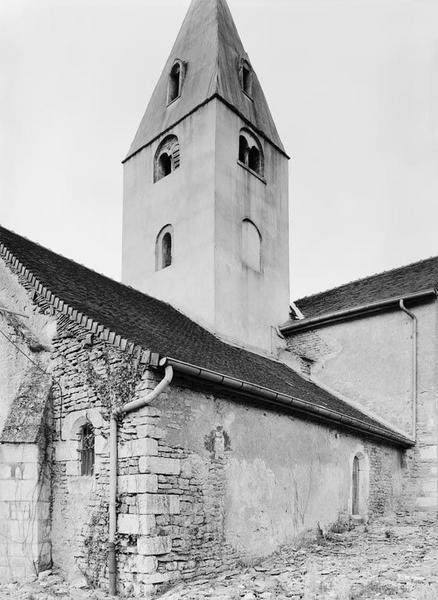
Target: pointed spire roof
x,y
210,46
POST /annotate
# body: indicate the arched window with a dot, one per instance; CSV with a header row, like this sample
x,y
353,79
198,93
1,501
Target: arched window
x,y
250,152
175,81
167,157
246,77
251,245
356,489
243,149
87,449
163,248
359,485
166,250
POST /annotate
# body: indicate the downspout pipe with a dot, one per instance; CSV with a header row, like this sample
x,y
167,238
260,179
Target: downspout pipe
x,y
414,367
120,412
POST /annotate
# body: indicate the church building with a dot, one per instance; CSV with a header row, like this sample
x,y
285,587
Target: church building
x,y
191,418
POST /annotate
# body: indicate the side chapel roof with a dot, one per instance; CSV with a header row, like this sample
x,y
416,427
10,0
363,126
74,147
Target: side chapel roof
x,y
156,326
209,45
398,282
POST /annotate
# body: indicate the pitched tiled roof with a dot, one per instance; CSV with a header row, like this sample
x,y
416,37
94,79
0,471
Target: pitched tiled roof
x,y
159,327
399,282
209,44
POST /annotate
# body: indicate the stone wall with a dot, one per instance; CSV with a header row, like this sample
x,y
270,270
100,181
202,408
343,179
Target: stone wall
x,y
369,362
24,511
207,482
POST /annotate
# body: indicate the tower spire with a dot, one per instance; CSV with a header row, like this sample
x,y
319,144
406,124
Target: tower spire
x,y
209,47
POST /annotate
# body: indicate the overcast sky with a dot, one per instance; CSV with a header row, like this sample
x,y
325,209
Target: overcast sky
x,y
352,86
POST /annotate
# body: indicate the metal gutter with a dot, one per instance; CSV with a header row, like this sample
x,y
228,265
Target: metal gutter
x,y
284,400
358,311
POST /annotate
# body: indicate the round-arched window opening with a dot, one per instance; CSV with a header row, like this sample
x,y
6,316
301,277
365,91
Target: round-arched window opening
x,y
87,449
164,248
359,485
167,157
243,149
246,77
250,152
164,165
254,159
166,251
174,83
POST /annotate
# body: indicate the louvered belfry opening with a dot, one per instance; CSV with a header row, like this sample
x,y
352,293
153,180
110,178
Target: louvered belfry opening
x,y
87,449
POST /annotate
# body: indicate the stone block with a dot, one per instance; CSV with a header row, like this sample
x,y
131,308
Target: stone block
x,y
141,447
159,464
135,524
151,431
135,484
158,504
427,502
154,578
430,485
72,468
428,453
145,564
19,453
18,489
154,545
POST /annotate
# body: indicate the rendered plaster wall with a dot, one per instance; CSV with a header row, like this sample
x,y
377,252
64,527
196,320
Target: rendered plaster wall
x,y
215,482
24,512
205,200
249,303
183,199
369,361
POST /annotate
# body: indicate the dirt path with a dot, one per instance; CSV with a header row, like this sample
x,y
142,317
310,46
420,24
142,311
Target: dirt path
x,y
387,561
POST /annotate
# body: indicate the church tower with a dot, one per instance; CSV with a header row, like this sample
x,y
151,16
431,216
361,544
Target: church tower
x,y
205,213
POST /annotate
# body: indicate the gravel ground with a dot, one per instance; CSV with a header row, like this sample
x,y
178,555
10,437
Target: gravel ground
x,y
385,561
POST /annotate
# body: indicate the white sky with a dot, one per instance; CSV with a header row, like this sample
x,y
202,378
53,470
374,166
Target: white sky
x,y
352,85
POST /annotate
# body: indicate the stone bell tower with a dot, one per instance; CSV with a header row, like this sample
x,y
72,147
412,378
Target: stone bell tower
x,y
205,213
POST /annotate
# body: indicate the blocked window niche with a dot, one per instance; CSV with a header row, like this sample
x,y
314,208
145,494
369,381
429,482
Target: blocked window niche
x,y
167,157
359,485
251,245
175,81
164,248
250,152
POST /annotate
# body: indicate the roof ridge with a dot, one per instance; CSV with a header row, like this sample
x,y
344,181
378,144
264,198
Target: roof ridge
x,y
367,277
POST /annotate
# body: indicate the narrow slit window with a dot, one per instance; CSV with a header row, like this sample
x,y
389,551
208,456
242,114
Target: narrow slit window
x,y
87,449
356,486
166,250
174,82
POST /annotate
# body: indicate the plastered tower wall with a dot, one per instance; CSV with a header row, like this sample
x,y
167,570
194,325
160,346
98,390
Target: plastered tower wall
x,y
249,303
184,199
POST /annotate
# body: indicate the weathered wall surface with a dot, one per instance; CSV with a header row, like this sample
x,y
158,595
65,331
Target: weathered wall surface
x,y
24,473
24,511
369,361
249,303
205,200
225,482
